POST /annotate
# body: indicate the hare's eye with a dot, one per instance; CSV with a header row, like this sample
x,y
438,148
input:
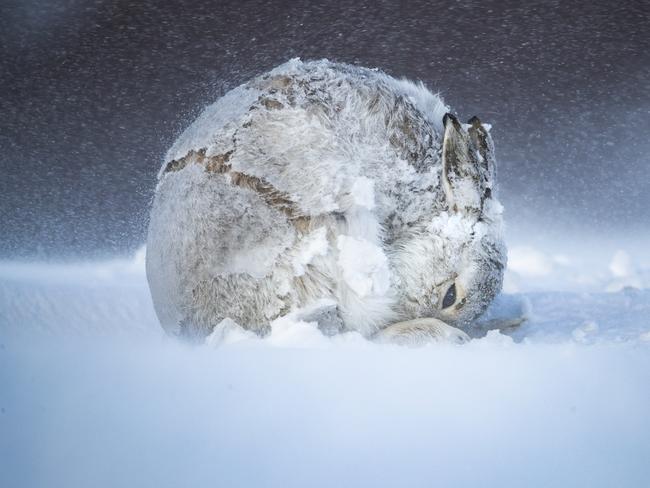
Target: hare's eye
x,y
450,296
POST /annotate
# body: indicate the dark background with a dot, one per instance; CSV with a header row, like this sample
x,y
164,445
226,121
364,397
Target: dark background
x,y
92,93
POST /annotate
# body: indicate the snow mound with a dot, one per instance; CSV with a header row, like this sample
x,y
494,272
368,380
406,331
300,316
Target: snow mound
x,y
94,394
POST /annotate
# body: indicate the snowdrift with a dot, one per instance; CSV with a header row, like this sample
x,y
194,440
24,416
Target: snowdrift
x,y
93,394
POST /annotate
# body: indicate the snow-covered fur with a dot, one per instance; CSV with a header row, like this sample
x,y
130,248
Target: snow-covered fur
x,y
330,188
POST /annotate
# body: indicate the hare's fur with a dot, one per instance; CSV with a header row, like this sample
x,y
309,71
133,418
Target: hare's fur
x,y
325,183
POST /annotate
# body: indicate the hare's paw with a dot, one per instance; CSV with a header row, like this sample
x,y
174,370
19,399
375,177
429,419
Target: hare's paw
x,y
419,332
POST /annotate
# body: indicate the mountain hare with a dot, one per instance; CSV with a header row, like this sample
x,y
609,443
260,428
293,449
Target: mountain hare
x,y
333,190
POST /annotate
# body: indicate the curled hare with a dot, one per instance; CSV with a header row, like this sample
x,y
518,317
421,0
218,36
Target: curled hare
x,y
332,191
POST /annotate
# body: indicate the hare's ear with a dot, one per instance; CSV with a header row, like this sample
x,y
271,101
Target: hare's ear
x,y
467,165
479,134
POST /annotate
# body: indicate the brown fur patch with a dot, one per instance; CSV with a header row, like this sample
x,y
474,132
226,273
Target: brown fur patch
x,y
271,104
219,164
191,157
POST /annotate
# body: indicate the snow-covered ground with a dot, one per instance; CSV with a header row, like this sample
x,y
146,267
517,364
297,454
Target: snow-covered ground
x,y
93,394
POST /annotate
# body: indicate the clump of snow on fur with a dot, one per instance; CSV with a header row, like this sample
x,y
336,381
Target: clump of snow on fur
x,y
364,266
363,192
312,245
455,226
